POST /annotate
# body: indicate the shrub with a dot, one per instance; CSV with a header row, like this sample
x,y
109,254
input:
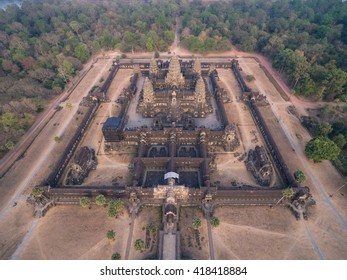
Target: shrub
x,y
85,201
299,176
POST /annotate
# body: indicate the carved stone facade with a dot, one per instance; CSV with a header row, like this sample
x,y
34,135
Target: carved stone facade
x,y
172,97
83,163
174,77
260,165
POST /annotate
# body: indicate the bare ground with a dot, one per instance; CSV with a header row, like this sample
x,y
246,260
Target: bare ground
x,y
194,244
84,230
146,216
259,233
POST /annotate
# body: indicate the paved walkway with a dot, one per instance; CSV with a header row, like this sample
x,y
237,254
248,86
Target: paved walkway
x,y
130,236
210,239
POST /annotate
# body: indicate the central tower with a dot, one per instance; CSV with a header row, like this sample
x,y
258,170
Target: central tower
x,y
174,94
174,77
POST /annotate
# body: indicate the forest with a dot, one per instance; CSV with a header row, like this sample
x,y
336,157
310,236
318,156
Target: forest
x,y
44,44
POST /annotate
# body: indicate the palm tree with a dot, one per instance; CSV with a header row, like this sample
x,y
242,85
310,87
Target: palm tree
x,y
287,193
85,201
299,176
111,234
139,245
37,191
152,228
100,200
116,256
214,221
115,206
196,223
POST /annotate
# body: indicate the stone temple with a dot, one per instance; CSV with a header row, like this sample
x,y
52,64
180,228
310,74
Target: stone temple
x,y
173,97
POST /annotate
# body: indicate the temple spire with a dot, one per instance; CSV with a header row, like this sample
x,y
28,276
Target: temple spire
x,y
197,66
148,92
174,76
153,68
200,91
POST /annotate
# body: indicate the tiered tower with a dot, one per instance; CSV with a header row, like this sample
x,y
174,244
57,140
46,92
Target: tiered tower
x,y
153,68
201,105
200,91
174,77
197,67
148,92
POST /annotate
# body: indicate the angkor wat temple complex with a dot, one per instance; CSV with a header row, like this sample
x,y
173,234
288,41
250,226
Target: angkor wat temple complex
x,y
172,117
174,100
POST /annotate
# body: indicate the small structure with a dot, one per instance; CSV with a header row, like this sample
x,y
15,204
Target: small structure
x,y
83,162
260,166
110,129
170,177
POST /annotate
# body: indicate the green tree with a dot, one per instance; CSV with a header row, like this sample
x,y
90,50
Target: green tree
x,y
196,223
57,139
75,26
335,81
298,67
169,36
116,256
214,221
37,191
9,144
340,140
250,78
322,148
82,52
111,234
111,213
323,129
287,194
85,201
9,120
150,44
299,176
100,200
139,245
115,207
66,70
152,228
130,39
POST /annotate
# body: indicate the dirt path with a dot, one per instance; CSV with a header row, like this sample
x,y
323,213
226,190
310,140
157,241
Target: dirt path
x,y
314,244
25,239
176,42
